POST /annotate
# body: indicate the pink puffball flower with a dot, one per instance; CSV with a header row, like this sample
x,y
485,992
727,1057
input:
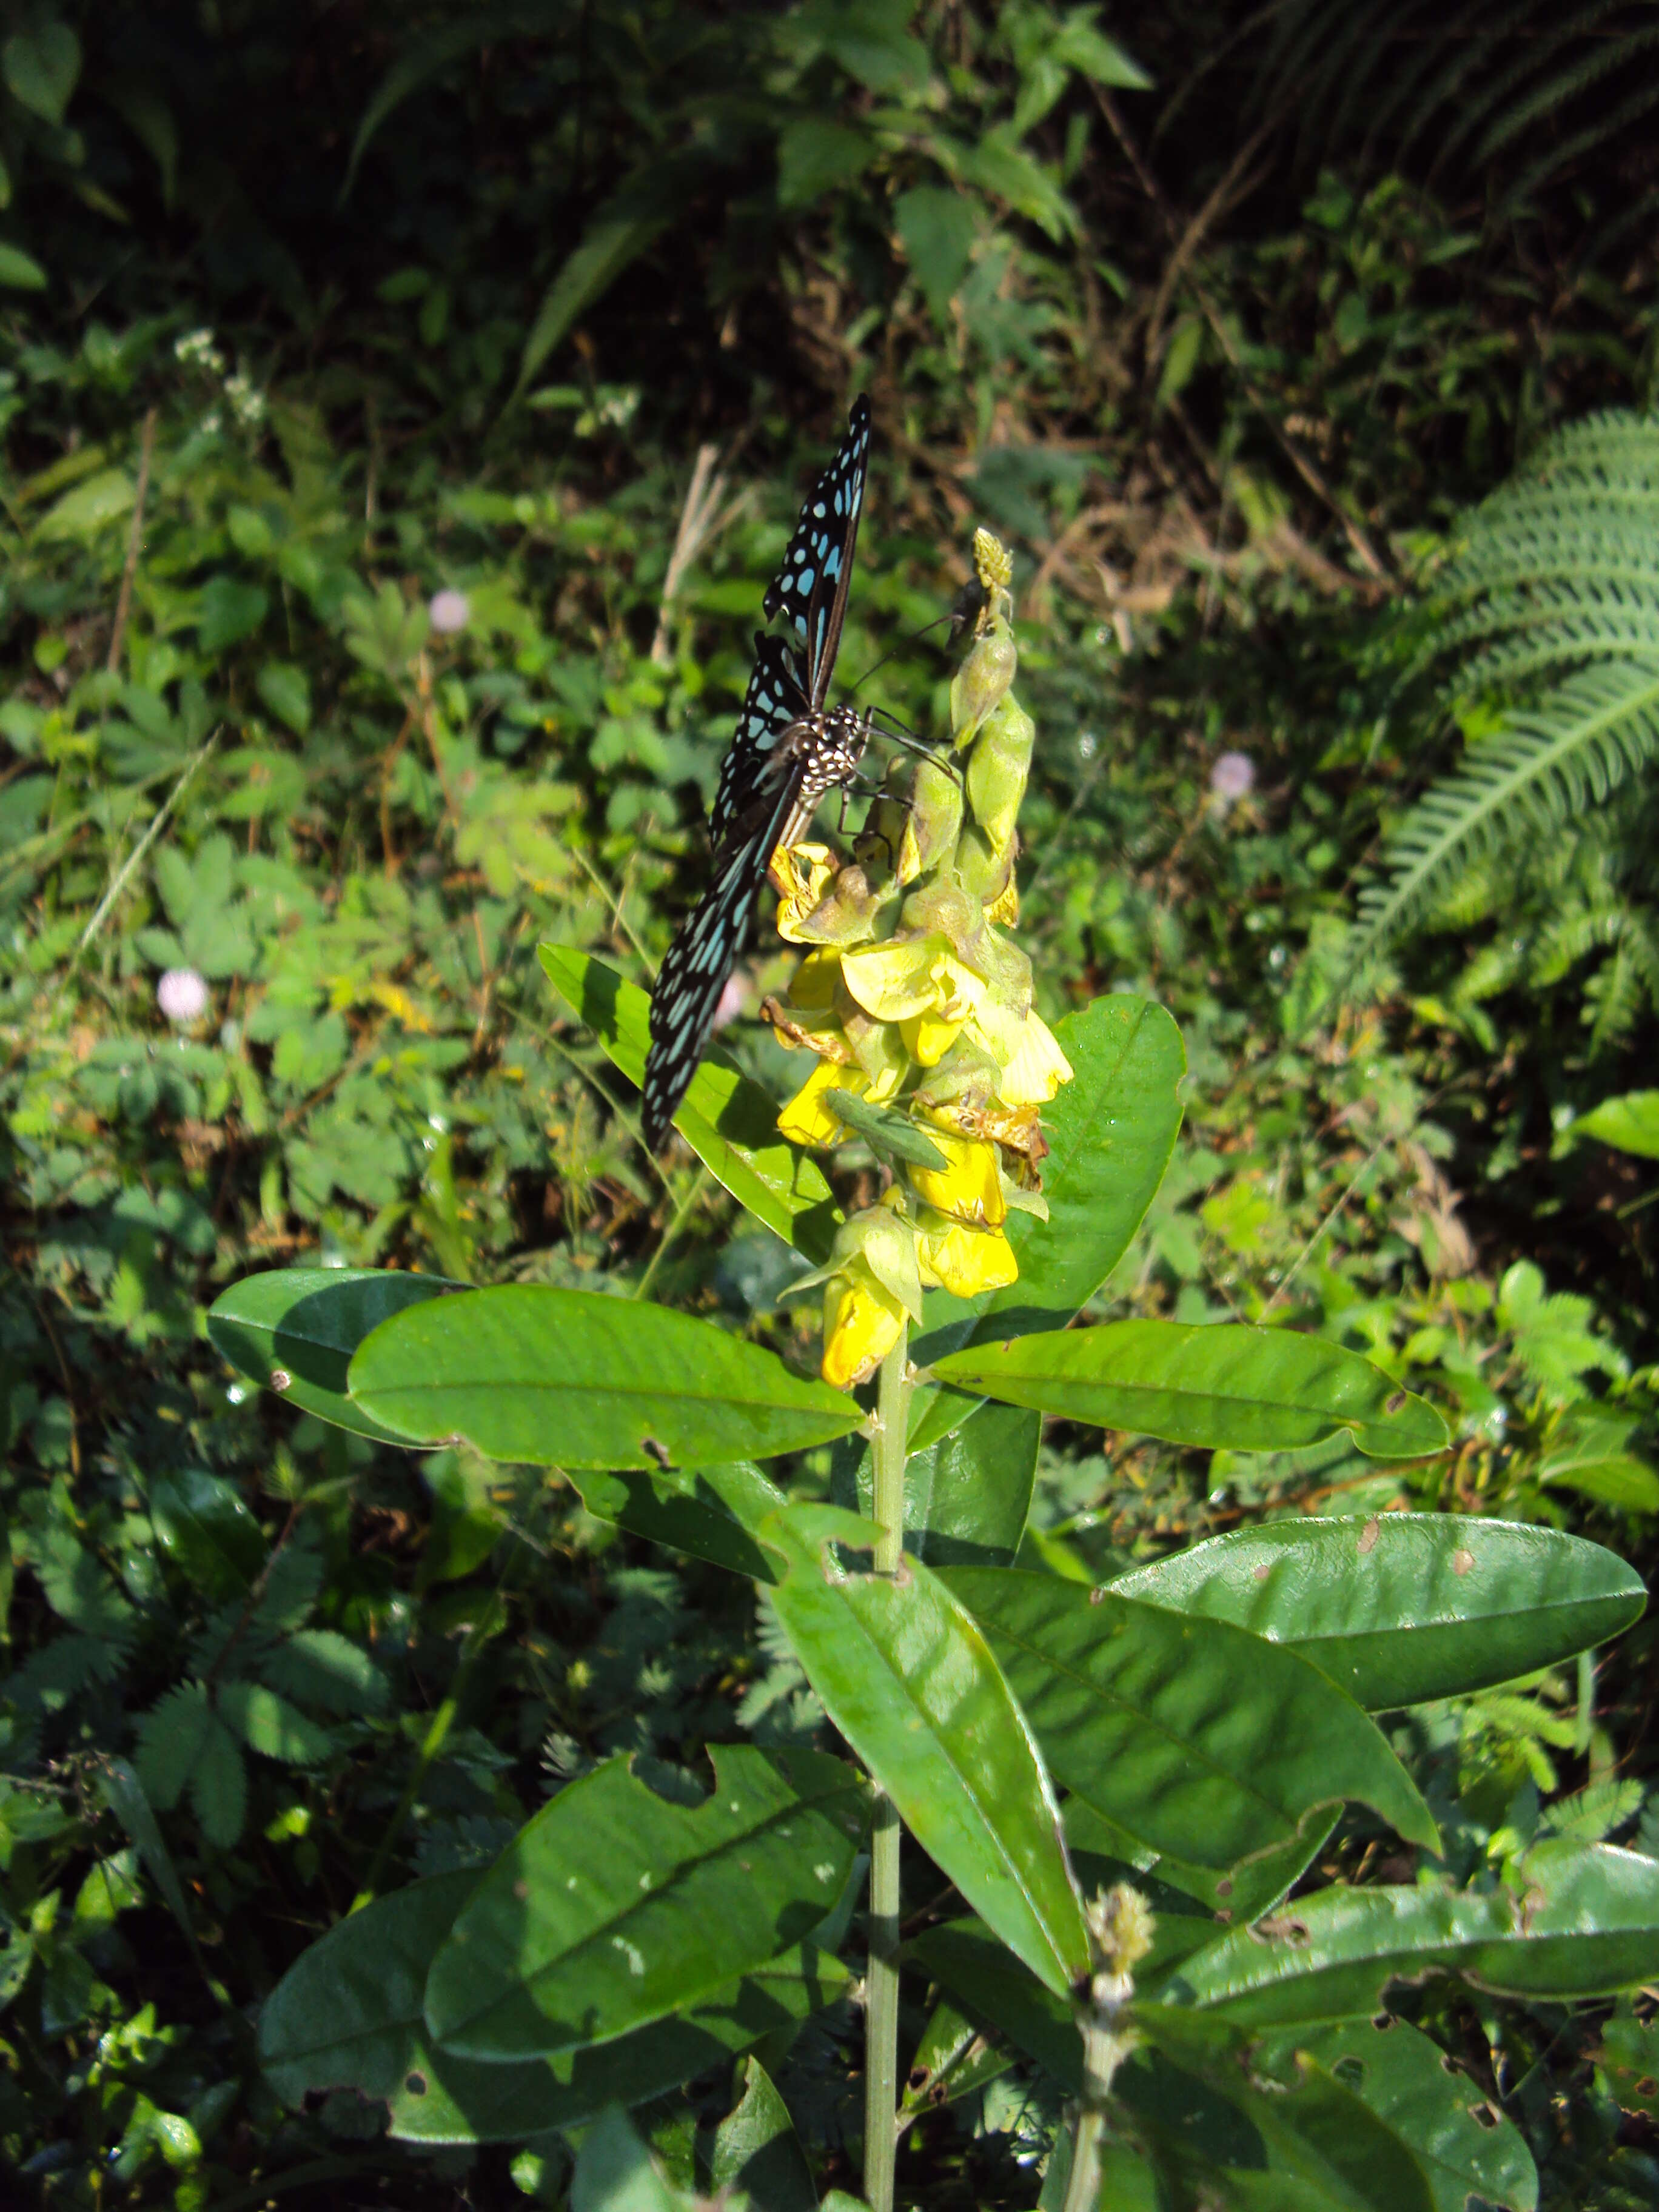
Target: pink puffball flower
x,y
448,611
1232,777
182,995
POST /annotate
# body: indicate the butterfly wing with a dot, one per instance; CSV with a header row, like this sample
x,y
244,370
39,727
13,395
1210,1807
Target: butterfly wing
x,y
774,700
698,964
811,586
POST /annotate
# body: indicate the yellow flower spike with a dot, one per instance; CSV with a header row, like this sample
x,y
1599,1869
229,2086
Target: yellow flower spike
x,y
861,1325
806,1120
968,1187
963,1260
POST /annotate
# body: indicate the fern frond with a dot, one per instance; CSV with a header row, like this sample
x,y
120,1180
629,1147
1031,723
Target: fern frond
x,y
1544,768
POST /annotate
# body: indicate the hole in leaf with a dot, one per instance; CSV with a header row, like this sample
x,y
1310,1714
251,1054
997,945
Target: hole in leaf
x,y
415,2084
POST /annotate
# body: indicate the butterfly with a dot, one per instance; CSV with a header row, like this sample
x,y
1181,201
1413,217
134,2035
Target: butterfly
x,y
787,751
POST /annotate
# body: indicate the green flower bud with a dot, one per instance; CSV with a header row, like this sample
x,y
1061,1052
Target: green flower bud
x,y
997,768
981,682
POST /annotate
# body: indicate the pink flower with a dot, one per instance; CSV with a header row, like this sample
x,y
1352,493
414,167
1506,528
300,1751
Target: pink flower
x,y
731,1002
448,611
182,995
1232,777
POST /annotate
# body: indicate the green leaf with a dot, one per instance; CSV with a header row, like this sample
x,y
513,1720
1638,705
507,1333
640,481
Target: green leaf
x,y
295,1330
121,1790
756,2151
286,689
818,156
1303,2139
614,1906
268,1724
992,1985
630,222
183,1744
204,1528
1250,1390
708,1512
729,1122
1192,1903
909,1678
92,506
574,1378
1629,1123
19,271
936,227
227,612
614,2172
349,2014
968,1493
1466,2145
1585,1923
41,67
1405,1607
1195,1737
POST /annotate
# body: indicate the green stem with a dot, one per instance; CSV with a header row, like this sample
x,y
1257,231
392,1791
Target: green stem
x,y
887,1455
1102,2050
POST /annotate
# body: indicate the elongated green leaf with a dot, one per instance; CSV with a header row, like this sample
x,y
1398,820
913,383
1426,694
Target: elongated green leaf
x,y
1197,1738
616,2172
1253,1389
630,222
1304,2139
756,2149
909,1678
729,1122
1109,1132
968,1493
991,1984
1405,1607
348,2014
572,1378
1587,1924
614,1907
1102,1853
204,1527
294,1331
708,1512
1629,1123
1466,2145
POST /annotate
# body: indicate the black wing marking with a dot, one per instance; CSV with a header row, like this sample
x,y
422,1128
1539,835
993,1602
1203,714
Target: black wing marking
x,y
774,700
699,963
811,586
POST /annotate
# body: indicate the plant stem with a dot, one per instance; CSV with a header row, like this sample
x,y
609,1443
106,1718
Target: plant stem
x,y
887,1455
1103,2050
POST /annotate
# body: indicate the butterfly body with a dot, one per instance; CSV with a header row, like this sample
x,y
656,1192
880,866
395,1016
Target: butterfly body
x,y
788,751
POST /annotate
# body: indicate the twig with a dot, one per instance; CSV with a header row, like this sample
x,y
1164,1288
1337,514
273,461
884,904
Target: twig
x,y
134,539
1376,564
123,874
697,525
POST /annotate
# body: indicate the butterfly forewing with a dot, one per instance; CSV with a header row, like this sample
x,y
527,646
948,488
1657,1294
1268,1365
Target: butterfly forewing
x,y
810,587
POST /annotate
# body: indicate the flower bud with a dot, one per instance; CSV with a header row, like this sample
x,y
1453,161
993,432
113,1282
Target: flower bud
x,y
935,820
963,1260
981,682
968,1187
861,1325
997,770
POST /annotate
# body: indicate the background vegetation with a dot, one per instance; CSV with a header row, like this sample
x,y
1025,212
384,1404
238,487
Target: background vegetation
x,y
310,314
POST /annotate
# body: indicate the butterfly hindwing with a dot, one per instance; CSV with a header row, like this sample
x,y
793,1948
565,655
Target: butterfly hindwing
x,y
698,963
810,587
774,700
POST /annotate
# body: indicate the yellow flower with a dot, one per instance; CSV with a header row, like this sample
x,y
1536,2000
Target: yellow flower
x,y
963,1261
802,874
1033,1065
862,1323
806,1120
896,982
968,1187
